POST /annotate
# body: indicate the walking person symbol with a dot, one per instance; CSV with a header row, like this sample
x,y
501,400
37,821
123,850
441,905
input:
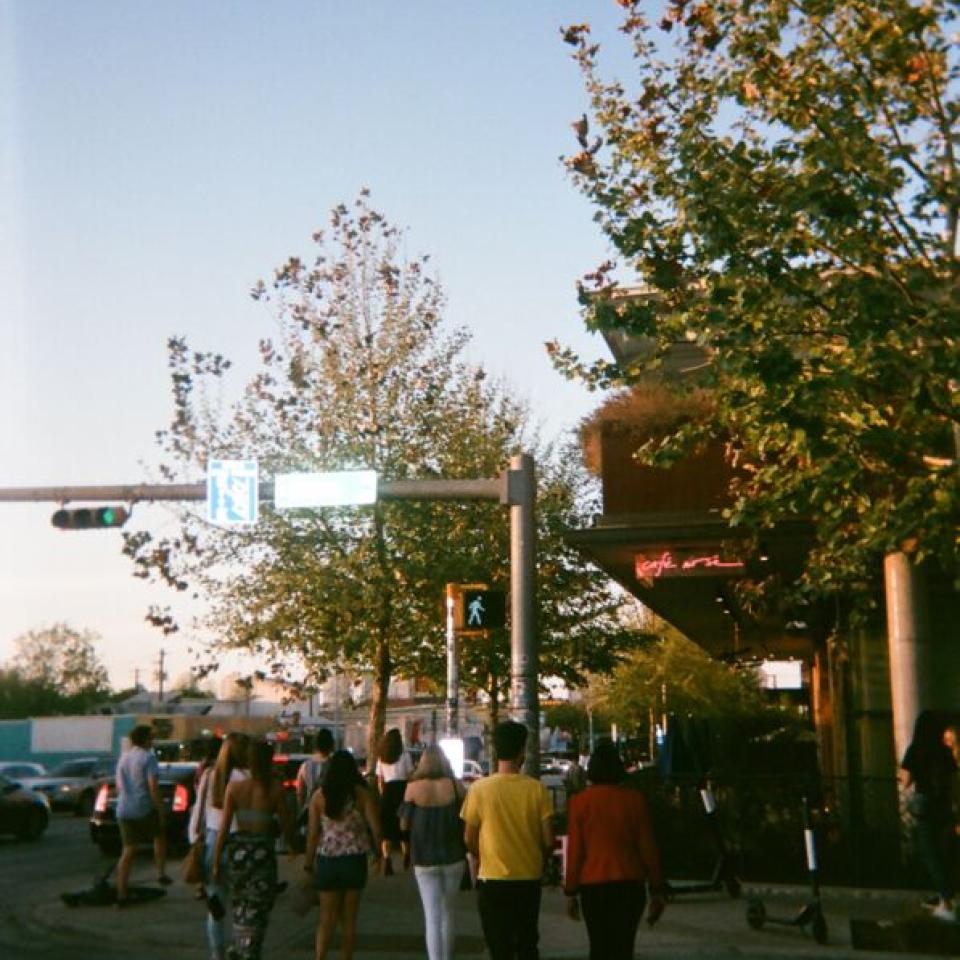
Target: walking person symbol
x,y
475,610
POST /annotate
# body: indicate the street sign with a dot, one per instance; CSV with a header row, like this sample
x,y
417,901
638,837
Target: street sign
x,y
232,492
337,489
482,609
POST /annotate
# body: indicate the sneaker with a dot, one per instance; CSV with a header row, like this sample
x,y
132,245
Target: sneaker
x,y
943,912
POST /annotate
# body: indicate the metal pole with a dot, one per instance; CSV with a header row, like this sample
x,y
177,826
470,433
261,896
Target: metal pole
x,y
453,666
524,698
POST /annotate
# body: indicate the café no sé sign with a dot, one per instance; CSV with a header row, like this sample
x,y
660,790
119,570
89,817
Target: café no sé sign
x,y
658,563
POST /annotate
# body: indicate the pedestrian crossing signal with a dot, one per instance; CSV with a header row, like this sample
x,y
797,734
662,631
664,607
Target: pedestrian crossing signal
x,y
483,609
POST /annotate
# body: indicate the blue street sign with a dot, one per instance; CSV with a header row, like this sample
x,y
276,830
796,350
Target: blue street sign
x,y
232,492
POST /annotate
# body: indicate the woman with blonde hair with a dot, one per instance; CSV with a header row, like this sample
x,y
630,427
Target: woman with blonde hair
x,y
230,766
431,812
393,769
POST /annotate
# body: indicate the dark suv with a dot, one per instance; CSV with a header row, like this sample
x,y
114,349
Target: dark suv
x,y
177,784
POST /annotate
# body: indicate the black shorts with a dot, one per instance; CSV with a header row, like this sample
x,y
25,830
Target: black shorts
x,y
340,873
142,830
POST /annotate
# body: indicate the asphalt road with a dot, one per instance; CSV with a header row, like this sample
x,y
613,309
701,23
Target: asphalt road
x,y
62,860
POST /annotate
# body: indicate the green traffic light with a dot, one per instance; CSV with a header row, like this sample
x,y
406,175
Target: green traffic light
x,y
108,516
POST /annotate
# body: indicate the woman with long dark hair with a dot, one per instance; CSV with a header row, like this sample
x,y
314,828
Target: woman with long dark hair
x,y
229,767
258,803
928,770
611,857
393,770
344,830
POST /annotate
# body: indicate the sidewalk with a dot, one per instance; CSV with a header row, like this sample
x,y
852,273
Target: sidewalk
x,y
390,926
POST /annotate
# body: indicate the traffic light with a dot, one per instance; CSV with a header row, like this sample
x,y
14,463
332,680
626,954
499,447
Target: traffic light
x,y
90,518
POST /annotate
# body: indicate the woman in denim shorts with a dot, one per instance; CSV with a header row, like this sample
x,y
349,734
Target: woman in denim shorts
x,y
344,829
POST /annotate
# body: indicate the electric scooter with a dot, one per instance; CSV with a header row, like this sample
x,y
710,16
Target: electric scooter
x,y
724,874
811,913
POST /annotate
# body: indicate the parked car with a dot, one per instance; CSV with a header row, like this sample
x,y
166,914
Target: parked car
x,y
177,784
23,812
73,785
286,766
18,769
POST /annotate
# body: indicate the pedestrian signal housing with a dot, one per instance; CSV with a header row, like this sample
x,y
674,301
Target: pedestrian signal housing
x,y
483,609
90,518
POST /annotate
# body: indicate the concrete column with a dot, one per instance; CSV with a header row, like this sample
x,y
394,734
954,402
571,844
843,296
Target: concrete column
x,y
912,673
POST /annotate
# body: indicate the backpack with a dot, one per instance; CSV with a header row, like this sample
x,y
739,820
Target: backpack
x,y
313,771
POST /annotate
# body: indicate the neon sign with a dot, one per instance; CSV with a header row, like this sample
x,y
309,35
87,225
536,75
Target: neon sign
x,y
683,563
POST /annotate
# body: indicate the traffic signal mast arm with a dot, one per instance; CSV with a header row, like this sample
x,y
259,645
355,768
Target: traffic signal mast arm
x,y
493,489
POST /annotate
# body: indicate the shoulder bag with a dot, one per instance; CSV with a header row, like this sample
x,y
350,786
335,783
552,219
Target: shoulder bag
x,y
191,868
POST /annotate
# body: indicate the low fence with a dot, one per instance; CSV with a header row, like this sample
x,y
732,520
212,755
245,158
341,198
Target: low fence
x,y
861,839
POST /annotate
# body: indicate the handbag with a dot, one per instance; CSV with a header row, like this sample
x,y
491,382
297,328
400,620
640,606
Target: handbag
x,y
191,868
304,897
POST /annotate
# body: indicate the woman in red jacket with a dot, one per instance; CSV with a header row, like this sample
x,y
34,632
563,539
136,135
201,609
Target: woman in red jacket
x,y
611,857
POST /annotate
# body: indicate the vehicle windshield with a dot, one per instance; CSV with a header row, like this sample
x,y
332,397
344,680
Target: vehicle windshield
x,y
22,770
74,768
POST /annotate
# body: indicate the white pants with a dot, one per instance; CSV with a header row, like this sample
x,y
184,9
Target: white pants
x,y
438,890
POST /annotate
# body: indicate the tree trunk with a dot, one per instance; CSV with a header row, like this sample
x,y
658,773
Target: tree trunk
x,y
383,667
494,702
378,702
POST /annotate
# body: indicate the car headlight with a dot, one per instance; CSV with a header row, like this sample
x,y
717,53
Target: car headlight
x,y
65,788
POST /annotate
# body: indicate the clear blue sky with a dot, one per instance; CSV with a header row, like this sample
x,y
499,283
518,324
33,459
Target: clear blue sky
x,y
156,159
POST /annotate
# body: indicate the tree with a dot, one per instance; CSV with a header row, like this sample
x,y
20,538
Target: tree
x,y
21,698
63,659
782,177
669,674
361,374
187,684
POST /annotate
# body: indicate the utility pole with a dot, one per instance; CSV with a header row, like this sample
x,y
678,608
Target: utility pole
x,y
453,664
136,679
161,675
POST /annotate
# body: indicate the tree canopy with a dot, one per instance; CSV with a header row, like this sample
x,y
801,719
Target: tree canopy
x,y
780,178
363,373
56,671
669,674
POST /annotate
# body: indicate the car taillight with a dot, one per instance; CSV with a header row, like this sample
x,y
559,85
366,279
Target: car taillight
x,y
290,784
181,799
101,805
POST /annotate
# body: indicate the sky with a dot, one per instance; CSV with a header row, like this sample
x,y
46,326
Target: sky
x,y
157,159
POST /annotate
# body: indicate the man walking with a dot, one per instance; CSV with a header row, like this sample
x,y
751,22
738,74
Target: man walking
x,y
140,812
310,777
508,826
